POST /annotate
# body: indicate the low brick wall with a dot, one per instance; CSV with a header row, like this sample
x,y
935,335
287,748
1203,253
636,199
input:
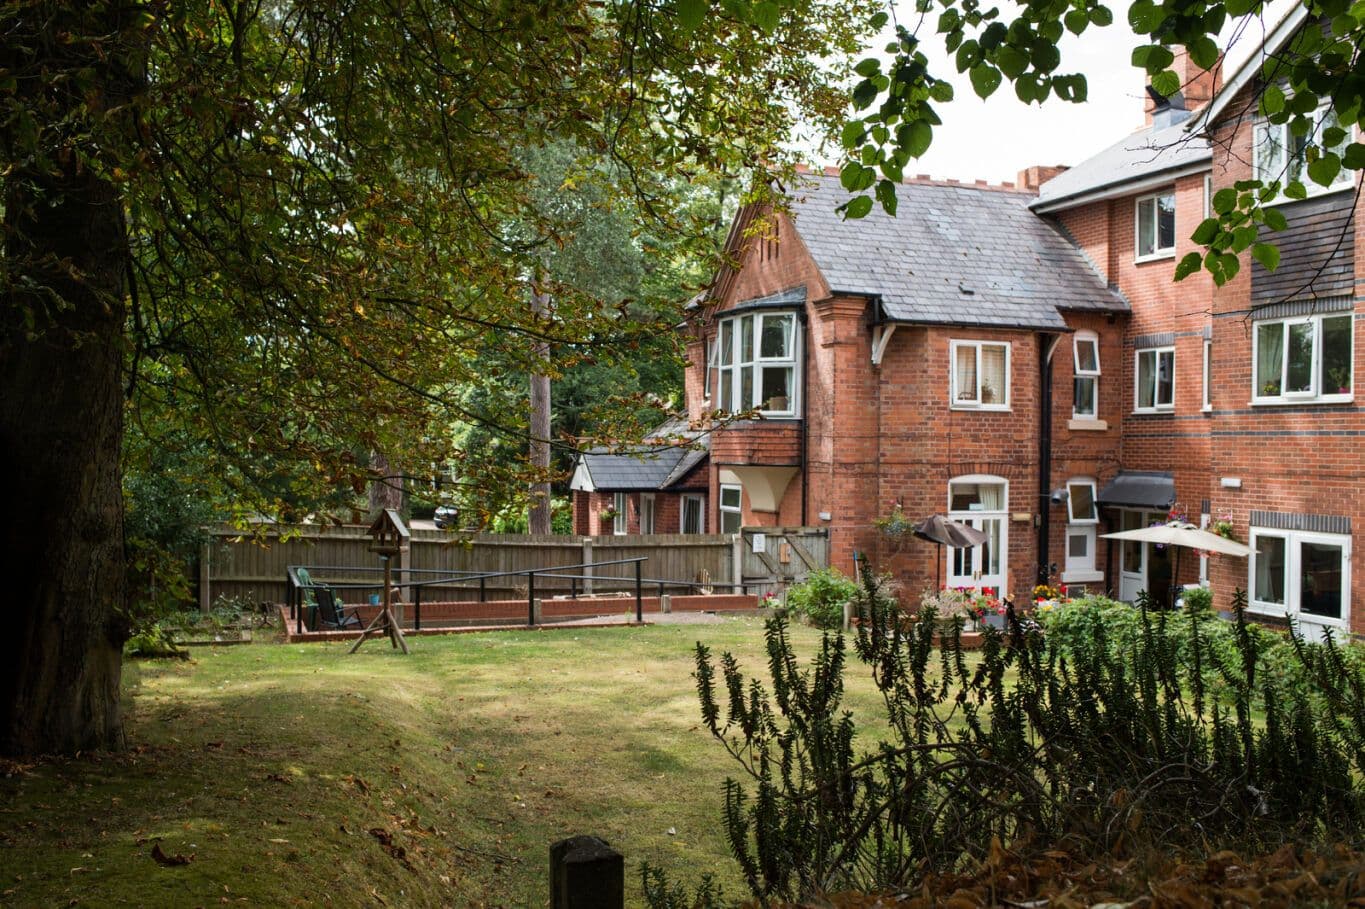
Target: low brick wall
x,y
455,616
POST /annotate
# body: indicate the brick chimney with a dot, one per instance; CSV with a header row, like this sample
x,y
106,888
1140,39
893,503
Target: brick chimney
x,y
1031,178
1197,86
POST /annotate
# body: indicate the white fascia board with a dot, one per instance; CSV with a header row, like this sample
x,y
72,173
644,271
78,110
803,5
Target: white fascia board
x,y
1129,188
1250,68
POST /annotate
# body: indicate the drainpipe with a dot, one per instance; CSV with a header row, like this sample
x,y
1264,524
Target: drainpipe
x,y
1045,457
805,415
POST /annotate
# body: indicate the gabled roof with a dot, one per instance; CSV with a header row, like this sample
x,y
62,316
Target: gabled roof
x,y
1147,157
645,468
1277,37
955,254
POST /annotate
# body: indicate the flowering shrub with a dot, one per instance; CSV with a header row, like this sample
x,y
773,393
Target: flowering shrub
x,y
1223,526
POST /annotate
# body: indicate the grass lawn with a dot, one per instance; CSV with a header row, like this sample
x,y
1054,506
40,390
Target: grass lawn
x,y
299,775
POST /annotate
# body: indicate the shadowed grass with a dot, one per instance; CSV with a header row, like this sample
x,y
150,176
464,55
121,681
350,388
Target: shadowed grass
x,y
299,775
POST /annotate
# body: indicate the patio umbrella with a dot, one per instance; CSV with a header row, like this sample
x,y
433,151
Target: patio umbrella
x,y
1185,536
938,529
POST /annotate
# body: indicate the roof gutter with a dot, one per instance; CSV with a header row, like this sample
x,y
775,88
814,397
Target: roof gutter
x,y
1116,190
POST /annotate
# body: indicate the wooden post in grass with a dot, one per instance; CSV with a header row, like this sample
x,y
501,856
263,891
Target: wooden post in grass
x,y
586,873
389,534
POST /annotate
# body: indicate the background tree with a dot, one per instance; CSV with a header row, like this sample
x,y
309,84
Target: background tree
x,y
279,222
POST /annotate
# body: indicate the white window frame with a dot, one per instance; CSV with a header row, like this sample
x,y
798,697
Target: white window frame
x,y
975,403
701,513
1292,605
1208,196
1094,496
1091,375
1207,377
1158,252
737,509
1313,395
1002,515
1157,406
1345,178
621,505
741,361
1204,520
647,526
710,345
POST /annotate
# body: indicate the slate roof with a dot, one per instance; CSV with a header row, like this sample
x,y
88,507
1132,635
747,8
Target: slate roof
x,y
1143,154
649,469
954,254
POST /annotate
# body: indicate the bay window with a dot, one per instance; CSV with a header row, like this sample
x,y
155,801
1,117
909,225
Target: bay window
x,y
1155,380
731,515
1086,399
1156,226
755,363
1302,359
980,375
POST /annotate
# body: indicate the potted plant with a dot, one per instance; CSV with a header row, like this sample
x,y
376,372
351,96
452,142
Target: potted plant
x,y
1223,526
894,525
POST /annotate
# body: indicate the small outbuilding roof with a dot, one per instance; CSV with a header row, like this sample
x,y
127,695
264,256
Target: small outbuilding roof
x,y
954,254
648,468
1153,489
1148,155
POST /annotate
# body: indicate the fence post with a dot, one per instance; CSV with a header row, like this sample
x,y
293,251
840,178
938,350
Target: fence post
x,y
587,570
531,598
417,609
483,589
205,582
586,873
737,563
639,596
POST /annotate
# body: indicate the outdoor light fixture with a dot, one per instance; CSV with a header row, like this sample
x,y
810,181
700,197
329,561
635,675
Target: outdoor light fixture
x,y
1231,482
1059,496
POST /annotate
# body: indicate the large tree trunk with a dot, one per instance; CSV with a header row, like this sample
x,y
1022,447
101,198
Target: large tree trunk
x,y
539,519
386,486
61,422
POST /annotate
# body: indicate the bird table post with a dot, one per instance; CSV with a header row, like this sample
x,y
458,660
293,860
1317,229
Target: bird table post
x,y
388,535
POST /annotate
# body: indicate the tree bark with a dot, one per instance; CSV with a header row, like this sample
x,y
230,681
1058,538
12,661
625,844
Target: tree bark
x,y
386,488
61,415
539,518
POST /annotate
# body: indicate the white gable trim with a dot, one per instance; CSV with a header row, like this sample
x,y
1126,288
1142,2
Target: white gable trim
x,y
582,479
1249,69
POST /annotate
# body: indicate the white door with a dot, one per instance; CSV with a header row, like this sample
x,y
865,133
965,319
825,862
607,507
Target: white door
x,y
1132,559
981,566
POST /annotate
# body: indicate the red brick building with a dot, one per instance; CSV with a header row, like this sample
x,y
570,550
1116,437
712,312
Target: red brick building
x,y
1021,358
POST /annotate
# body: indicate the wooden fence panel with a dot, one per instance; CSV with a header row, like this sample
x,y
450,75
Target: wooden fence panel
x,y
786,556
253,567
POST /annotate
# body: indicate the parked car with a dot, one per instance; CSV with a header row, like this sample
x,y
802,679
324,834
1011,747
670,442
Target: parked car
x,y
446,516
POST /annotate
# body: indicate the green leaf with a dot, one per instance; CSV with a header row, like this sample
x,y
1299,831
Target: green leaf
x,y
1076,21
1101,16
1333,136
942,92
1166,83
1295,190
1267,254
1324,170
878,21
1354,159
1274,219
765,15
920,134
1188,265
868,67
857,207
864,93
691,13
849,176
1152,57
1012,61
853,134
985,79
886,195
1203,51
1225,200
1205,232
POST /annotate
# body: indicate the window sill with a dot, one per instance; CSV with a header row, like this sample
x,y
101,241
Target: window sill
x,y
1082,577
1153,411
1207,408
1300,402
979,408
1158,256
1087,424
1314,192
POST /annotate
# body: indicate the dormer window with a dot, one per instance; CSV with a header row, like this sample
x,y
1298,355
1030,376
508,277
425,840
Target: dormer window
x,y
755,364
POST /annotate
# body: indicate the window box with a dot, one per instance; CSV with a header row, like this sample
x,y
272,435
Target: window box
x,y
1303,360
980,375
1155,226
1154,380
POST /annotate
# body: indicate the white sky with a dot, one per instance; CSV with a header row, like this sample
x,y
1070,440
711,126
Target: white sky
x,y
994,139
